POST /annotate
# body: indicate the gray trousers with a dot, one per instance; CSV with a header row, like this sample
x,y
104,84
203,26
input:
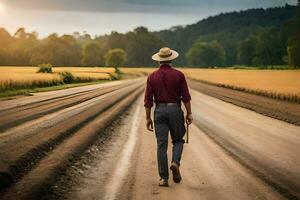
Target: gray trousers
x,y
168,118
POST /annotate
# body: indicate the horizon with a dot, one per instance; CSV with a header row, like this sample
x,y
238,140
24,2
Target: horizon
x,y
84,17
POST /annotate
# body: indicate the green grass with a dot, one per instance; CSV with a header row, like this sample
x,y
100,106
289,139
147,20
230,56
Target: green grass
x,y
10,93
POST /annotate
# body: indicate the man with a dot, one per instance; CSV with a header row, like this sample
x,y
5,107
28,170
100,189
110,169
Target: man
x,y
168,87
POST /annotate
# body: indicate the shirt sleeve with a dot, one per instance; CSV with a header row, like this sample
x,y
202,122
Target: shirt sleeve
x,y
148,101
185,94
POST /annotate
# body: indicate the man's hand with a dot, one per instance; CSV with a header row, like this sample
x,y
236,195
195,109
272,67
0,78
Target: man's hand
x,y
149,124
189,119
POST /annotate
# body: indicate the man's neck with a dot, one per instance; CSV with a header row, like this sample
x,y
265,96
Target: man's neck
x,y
165,65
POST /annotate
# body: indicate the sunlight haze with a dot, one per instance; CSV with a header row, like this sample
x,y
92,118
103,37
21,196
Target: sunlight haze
x,y
2,9
103,16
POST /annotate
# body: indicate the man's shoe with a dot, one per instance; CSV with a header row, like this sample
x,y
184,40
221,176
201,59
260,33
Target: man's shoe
x,y
176,172
163,183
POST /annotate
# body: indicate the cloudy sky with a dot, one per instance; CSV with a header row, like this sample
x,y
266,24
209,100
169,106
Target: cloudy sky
x,y
103,16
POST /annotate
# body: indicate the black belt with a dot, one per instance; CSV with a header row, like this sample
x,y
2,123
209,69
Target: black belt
x,y
168,104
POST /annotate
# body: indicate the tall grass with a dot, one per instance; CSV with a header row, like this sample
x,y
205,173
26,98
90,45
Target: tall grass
x,y
45,68
16,78
278,84
275,95
17,85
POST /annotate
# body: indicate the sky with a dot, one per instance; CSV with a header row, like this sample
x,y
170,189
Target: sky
x,y
98,17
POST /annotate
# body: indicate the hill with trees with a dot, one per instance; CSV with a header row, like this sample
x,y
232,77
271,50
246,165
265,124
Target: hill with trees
x,y
260,32
252,37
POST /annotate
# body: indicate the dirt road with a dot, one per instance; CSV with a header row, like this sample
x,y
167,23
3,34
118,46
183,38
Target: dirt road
x,y
244,156
98,148
278,109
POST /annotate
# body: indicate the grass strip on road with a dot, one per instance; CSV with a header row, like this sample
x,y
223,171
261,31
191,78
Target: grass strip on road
x,y
10,93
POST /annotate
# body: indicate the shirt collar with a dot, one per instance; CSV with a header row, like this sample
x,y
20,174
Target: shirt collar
x,y
165,66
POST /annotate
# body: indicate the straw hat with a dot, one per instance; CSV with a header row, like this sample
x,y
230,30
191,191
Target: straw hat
x,y
165,54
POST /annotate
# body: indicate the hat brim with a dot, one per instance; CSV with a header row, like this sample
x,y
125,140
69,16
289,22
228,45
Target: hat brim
x,y
174,55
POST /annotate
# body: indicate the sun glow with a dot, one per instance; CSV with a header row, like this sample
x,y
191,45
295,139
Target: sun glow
x,y
2,9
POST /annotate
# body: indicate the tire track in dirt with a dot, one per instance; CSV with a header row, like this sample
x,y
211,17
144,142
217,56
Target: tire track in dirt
x,y
20,154
116,181
11,103
207,171
14,116
219,163
30,186
269,148
93,174
278,109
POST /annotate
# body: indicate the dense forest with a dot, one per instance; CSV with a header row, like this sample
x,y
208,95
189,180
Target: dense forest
x,y
255,37
266,29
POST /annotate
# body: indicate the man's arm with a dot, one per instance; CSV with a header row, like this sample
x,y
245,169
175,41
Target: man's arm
x,y
186,98
148,103
189,116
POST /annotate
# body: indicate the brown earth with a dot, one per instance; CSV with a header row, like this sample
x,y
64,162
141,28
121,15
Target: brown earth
x,y
282,110
211,168
24,146
234,153
207,171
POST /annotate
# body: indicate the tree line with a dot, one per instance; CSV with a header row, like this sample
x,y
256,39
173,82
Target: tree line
x,y
253,37
25,48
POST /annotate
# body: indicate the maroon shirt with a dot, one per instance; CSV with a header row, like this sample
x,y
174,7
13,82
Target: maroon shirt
x,y
166,85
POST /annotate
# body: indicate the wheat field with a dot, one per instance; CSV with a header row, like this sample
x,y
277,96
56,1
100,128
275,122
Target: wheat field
x,y
271,82
87,72
29,73
27,77
277,81
24,74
